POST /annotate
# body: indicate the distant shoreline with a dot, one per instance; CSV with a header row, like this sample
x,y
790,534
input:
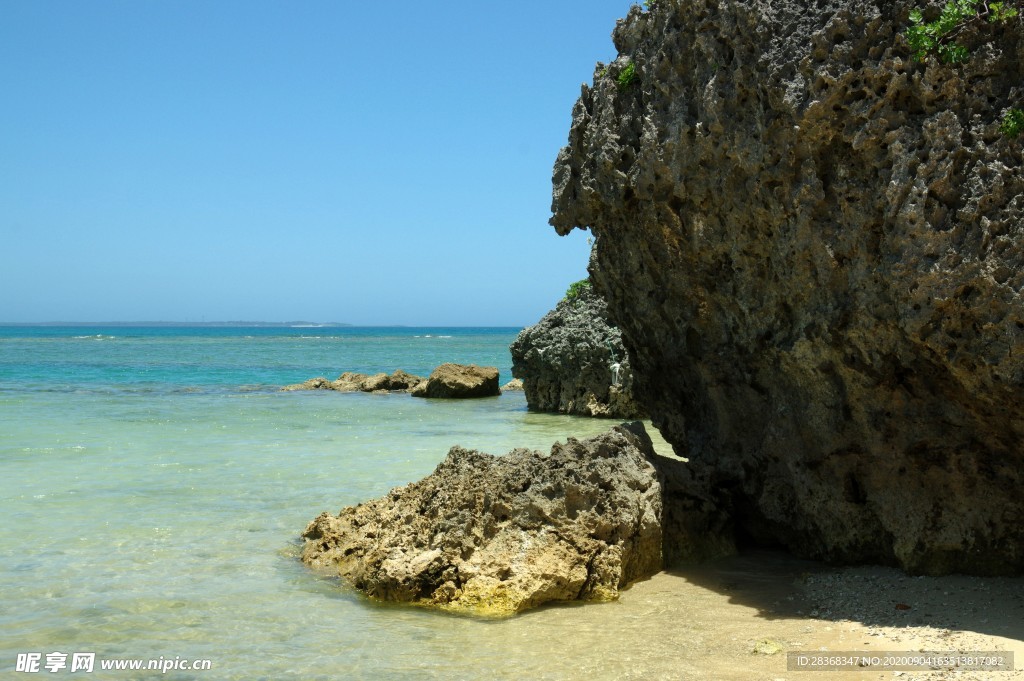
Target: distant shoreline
x,y
299,324
246,325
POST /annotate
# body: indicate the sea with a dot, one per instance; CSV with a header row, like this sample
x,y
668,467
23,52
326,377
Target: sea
x,y
155,481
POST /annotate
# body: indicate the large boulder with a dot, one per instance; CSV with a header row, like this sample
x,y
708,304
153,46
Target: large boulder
x,y
572,361
814,248
497,535
459,381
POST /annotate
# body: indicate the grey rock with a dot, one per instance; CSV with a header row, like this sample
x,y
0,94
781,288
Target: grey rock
x,y
573,361
497,535
814,249
456,381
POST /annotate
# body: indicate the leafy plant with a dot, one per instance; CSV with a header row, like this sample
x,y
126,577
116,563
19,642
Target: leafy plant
x,y
627,76
650,4
939,36
1013,123
576,288
999,12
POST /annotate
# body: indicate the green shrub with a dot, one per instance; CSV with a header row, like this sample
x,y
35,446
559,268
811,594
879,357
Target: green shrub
x,y
576,288
1013,123
627,76
999,12
939,36
936,36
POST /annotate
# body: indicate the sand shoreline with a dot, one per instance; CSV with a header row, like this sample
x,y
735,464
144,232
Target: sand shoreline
x,y
754,608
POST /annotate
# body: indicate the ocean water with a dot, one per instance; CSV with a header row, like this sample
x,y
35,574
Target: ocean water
x,y
154,483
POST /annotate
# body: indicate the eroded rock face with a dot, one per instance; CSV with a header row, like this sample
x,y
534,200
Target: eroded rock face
x,y
497,535
572,361
813,248
459,381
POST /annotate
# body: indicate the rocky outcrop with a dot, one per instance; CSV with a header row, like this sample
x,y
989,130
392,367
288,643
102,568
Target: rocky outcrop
x,y
514,385
497,535
355,382
572,361
814,249
459,381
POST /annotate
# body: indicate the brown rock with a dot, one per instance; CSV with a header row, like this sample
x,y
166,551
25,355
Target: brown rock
x,y
319,383
458,381
497,535
349,382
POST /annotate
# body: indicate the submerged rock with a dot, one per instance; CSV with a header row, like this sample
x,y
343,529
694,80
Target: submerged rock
x,y
814,248
459,381
572,361
497,535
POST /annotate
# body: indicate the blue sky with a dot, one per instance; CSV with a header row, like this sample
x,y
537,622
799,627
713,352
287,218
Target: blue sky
x,y
370,163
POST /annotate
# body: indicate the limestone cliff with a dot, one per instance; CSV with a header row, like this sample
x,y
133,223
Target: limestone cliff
x,y
813,248
572,361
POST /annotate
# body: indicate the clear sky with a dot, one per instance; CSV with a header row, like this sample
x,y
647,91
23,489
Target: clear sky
x,y
361,162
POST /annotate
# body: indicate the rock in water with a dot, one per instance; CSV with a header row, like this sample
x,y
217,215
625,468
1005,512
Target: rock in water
x,y
814,248
497,535
319,383
572,361
512,386
458,381
351,381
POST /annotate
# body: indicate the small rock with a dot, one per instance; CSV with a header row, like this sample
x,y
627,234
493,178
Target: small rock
x,y
767,646
319,383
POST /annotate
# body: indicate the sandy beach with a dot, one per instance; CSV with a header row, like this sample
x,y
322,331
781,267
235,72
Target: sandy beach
x,y
737,618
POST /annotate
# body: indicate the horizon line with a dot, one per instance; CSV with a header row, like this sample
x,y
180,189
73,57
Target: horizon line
x,y
241,323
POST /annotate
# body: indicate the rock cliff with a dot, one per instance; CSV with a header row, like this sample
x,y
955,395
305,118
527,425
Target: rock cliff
x,y
572,361
813,248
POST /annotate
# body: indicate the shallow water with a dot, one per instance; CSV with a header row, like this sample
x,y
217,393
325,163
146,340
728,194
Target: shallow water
x,y
154,488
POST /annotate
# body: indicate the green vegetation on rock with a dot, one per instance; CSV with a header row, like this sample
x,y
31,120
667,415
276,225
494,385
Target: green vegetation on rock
x,y
1013,123
939,36
576,288
627,76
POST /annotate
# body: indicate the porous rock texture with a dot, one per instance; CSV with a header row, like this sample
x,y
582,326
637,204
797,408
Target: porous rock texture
x,y
572,361
497,535
459,381
813,248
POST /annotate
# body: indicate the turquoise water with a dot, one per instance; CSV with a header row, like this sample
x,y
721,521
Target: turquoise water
x,y
155,482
